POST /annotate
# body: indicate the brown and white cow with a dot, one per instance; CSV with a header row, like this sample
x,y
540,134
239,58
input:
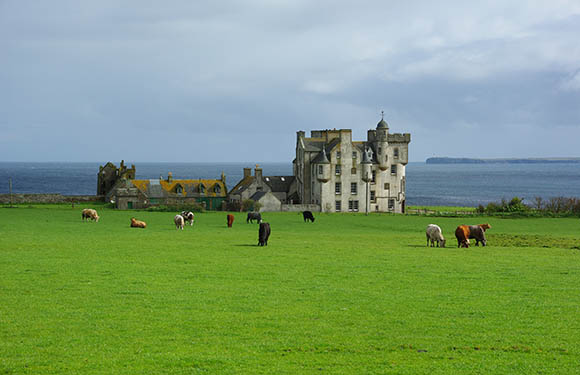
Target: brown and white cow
x,y
188,216
90,214
179,221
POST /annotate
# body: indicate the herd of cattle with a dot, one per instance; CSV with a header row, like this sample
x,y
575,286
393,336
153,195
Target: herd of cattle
x,y
463,233
188,217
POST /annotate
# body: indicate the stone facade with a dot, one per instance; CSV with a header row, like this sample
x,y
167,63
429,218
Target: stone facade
x,y
281,187
342,175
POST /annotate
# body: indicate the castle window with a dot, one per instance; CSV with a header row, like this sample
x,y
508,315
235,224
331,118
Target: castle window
x,y
337,206
353,206
373,198
201,189
354,154
380,150
353,171
391,204
337,188
353,187
337,170
320,169
394,169
374,177
337,155
179,190
387,186
396,153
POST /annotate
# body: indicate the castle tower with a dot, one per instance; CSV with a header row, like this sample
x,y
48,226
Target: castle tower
x,y
381,143
322,166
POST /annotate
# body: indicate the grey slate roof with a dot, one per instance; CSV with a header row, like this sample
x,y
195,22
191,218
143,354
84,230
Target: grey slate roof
x,y
279,184
258,195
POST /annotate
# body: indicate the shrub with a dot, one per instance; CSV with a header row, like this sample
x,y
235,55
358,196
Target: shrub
x,y
251,205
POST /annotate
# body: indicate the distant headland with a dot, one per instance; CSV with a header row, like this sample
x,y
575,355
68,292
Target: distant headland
x,y
446,160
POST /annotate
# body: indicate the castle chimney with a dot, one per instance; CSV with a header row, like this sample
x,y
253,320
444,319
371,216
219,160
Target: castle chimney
x,y
170,177
247,172
258,173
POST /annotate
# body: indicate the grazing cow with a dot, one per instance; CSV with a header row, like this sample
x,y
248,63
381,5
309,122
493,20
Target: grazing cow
x,y
188,217
137,223
433,233
90,214
462,235
230,220
478,233
263,234
179,222
253,216
307,215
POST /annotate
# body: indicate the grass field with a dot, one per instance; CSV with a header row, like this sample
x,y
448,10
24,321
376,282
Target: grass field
x,y
348,294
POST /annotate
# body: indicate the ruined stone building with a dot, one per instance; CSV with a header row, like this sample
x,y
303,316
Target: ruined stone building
x,y
342,175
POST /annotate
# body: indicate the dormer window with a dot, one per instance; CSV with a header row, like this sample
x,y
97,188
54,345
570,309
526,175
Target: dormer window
x,y
217,189
201,189
179,189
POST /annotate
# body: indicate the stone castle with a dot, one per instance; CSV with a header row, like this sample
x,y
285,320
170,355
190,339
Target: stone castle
x,y
331,173
342,175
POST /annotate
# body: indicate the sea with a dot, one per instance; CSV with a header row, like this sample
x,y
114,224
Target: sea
x,y
465,185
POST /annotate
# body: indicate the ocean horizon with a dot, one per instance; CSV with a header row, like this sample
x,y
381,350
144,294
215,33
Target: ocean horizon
x,y
465,185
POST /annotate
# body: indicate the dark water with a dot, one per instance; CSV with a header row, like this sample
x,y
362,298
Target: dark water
x,y
427,184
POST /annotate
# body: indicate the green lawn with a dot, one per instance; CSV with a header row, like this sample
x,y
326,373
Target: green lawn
x,y
348,294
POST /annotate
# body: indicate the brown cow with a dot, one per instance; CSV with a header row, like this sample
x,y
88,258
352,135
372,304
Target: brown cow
x,y
462,235
230,220
476,232
137,223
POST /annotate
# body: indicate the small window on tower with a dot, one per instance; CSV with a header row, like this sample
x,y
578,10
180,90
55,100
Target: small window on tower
x,y
337,155
396,153
320,169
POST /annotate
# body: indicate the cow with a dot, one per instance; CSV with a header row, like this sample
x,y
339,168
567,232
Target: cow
x,y
433,233
478,233
90,214
307,215
253,216
137,223
263,234
179,221
230,218
188,217
462,235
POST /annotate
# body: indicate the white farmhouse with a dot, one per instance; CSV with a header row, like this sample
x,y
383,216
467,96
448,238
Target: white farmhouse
x,y
345,176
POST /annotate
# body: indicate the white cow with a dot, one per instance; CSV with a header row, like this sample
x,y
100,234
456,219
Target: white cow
x,y
434,234
179,222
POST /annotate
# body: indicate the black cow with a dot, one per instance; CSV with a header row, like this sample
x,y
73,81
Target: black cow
x,y
253,216
308,216
263,234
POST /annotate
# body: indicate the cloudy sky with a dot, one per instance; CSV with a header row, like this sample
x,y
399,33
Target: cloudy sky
x,y
198,81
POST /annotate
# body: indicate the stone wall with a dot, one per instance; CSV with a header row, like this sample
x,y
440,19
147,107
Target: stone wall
x,y
300,207
49,198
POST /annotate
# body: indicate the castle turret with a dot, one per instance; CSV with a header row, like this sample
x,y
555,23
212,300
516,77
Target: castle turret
x,y
322,165
381,143
366,166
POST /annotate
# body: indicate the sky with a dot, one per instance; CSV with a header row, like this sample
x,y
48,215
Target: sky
x,y
233,81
